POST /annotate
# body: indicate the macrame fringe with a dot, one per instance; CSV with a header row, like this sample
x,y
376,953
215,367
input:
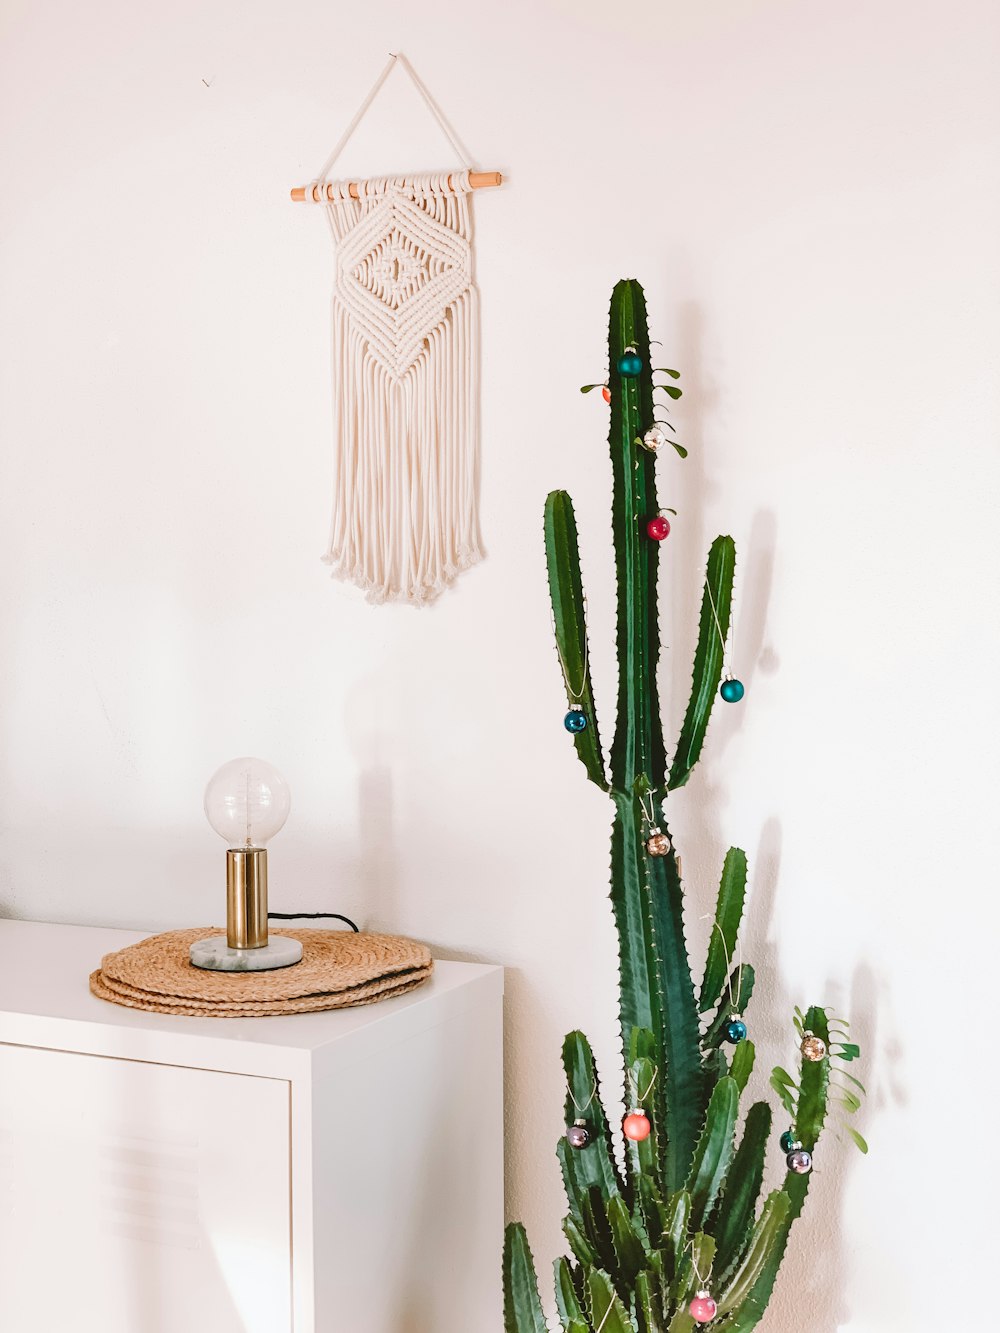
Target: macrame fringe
x,y
406,364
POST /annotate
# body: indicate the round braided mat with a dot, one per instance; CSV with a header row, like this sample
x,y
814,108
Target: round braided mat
x,y
339,969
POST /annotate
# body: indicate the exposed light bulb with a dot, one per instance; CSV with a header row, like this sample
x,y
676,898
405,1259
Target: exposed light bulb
x,y
247,802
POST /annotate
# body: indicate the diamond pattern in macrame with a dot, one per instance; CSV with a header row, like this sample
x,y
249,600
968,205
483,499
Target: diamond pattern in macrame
x,y
399,270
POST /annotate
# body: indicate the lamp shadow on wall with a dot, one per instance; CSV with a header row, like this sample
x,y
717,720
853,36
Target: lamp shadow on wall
x,y
368,730
817,1285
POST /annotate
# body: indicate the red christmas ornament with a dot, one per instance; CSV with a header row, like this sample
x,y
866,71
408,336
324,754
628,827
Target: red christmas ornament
x,y
657,528
703,1308
606,394
636,1126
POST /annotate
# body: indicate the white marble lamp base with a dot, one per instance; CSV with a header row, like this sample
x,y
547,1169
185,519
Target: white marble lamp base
x,y
214,955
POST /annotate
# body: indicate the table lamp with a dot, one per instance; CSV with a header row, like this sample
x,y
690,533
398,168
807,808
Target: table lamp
x,y
247,802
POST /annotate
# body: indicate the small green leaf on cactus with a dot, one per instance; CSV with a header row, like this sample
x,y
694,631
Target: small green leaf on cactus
x,y
522,1309
662,370
784,1085
848,1052
680,449
861,1143
586,388
669,389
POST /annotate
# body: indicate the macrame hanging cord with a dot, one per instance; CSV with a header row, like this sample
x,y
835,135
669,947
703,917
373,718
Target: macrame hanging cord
x,y
406,375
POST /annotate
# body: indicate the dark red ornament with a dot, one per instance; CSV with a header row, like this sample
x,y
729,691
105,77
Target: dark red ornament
x,y
657,528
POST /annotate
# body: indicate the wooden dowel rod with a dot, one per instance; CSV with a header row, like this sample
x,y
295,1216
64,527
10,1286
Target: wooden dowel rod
x,y
479,180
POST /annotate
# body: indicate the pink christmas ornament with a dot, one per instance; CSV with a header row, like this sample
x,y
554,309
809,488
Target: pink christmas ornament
x,y
703,1308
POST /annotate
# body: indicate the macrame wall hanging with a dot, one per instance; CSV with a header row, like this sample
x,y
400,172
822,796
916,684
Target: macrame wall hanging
x,y
405,370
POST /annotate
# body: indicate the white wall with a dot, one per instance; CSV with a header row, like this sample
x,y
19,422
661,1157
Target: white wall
x,y
810,195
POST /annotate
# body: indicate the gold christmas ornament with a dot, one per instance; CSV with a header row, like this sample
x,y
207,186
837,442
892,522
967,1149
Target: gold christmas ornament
x,y
813,1047
657,844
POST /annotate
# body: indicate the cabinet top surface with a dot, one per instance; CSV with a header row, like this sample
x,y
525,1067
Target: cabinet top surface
x,y
45,1000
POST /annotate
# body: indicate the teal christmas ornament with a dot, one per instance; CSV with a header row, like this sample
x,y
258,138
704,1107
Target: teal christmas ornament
x,y
788,1141
629,363
732,690
736,1031
575,720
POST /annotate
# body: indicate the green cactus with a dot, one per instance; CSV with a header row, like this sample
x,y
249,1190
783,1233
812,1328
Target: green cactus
x,y
682,1208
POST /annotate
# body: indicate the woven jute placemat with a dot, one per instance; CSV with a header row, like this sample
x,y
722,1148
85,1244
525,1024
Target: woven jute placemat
x,y
339,969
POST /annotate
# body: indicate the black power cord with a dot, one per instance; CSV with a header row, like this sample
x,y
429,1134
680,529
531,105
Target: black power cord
x,y
313,916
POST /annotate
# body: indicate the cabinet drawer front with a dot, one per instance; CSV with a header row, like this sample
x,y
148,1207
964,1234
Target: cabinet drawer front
x,y
141,1198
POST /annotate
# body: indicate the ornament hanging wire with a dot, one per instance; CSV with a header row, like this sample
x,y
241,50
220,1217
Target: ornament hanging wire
x,y
726,665
648,814
582,1110
733,1000
641,1097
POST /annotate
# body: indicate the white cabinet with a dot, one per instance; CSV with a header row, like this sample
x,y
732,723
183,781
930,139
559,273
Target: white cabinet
x,y
322,1173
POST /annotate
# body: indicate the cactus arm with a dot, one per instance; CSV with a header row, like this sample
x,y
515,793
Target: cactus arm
x,y
594,1164
648,1303
644,1158
676,1230
728,915
741,1066
571,1314
652,1208
743,1184
606,1310
599,1233
697,1260
582,1249
656,989
629,1249
767,1235
813,1088
522,1309
707,659
740,987
814,1085
562,557
714,1151
637,748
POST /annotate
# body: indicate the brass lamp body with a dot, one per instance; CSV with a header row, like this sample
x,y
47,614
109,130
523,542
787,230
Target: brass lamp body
x,y
246,897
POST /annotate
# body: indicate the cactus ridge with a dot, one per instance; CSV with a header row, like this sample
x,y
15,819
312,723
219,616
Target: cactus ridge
x,y
682,1207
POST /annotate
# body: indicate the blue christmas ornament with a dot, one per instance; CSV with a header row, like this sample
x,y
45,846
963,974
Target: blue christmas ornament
x,y
736,1031
732,691
575,720
629,364
788,1141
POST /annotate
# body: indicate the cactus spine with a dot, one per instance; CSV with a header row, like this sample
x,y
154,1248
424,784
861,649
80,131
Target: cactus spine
x,y
683,1206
